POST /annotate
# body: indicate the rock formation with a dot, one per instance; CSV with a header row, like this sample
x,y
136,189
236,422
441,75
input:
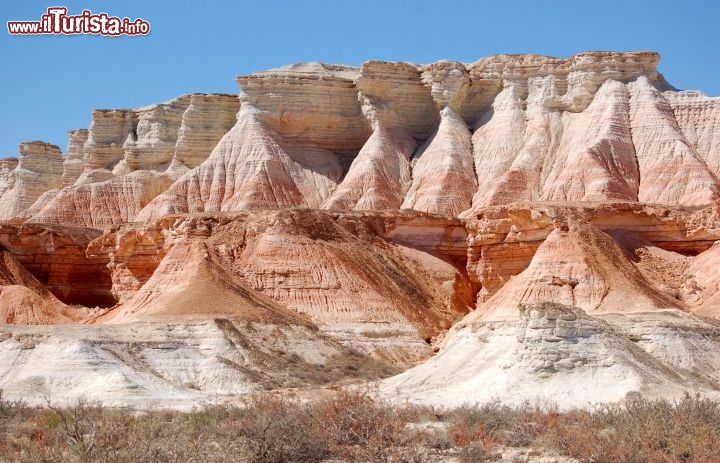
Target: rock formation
x,y
582,267
39,169
7,166
56,256
504,241
74,164
128,157
398,109
102,204
443,174
671,172
698,118
447,138
547,226
579,305
578,129
282,152
558,355
26,301
173,364
313,263
191,283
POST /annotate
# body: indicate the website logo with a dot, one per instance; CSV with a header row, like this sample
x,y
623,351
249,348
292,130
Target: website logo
x,y
56,21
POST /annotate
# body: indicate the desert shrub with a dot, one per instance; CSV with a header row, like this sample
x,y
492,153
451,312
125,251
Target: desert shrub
x,y
476,452
14,424
641,431
352,426
347,425
363,429
278,431
87,432
493,423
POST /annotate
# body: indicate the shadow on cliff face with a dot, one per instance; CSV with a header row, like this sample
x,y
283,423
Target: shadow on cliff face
x,y
55,255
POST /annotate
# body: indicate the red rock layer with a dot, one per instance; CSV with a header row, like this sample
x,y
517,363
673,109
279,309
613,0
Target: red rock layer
x,y
24,300
55,255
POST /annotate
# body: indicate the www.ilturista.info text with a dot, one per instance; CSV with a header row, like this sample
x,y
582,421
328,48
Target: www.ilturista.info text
x,y
57,21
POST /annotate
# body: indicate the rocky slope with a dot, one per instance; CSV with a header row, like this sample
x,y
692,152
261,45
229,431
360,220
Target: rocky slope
x,y
128,157
26,301
408,269
38,169
596,126
627,276
173,364
445,138
580,304
548,226
559,355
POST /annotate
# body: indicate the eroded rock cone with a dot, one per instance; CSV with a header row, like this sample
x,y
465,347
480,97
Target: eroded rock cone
x,y
551,354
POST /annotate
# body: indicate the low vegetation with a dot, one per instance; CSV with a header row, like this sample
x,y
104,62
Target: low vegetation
x,y
353,427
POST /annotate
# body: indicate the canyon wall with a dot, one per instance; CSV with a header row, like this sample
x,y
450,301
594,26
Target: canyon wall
x,y
126,158
547,226
445,138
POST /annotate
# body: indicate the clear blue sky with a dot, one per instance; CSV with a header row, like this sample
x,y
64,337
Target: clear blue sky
x,y
50,84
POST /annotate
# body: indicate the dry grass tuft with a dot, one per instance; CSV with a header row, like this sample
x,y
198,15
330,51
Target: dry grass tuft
x,y
351,426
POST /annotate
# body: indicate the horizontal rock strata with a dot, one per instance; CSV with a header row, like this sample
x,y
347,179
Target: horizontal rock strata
x,y
401,278
447,138
547,226
451,137
129,156
56,256
38,169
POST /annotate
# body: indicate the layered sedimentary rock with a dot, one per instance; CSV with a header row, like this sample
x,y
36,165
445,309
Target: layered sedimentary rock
x,y
102,204
180,364
297,128
26,301
384,284
318,266
559,355
671,171
190,282
38,170
263,174
504,241
150,143
399,110
132,253
579,305
579,266
560,129
108,130
447,138
205,121
698,117
597,156
443,175
128,157
551,225
7,165
74,163
392,135
585,128
56,256
147,138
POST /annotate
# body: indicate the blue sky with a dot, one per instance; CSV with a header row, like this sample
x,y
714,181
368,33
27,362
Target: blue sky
x,y
50,84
